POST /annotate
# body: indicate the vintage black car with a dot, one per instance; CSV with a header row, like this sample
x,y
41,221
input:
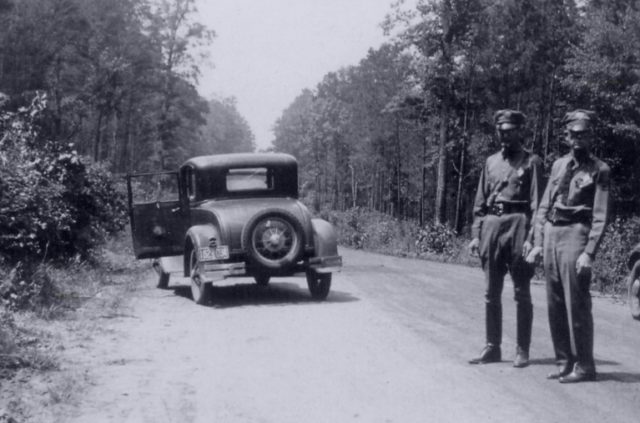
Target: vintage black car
x,y
231,215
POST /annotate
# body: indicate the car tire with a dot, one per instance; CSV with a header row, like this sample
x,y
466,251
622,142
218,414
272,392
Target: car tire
x,y
319,284
634,291
262,280
273,239
200,290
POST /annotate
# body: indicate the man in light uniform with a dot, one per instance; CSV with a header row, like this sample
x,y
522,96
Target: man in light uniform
x,y
568,228
506,199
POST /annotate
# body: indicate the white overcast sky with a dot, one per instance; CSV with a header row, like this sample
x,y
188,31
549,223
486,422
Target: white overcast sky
x,y
267,51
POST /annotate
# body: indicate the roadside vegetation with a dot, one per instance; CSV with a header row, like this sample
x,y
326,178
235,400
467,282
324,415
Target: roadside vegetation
x,y
378,232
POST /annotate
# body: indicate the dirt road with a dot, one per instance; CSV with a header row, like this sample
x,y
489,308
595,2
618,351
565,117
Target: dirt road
x,y
390,344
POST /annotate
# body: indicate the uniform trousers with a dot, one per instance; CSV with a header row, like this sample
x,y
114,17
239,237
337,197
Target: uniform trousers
x,y
568,296
501,241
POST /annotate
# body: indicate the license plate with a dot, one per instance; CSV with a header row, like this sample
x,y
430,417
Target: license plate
x,y
208,254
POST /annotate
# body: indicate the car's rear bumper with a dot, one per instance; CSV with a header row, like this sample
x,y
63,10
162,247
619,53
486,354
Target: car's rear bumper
x,y
326,264
215,271
218,271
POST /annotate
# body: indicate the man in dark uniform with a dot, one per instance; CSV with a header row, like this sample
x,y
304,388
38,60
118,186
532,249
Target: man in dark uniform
x,y
506,199
568,228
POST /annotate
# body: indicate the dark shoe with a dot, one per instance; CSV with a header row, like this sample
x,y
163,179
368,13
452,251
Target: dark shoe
x,y
578,376
490,354
562,372
522,358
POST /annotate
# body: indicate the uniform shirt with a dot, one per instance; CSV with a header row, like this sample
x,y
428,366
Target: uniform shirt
x,y
588,193
515,180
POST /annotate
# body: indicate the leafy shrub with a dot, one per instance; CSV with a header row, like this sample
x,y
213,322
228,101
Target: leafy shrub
x,y
28,287
436,238
53,203
610,266
363,229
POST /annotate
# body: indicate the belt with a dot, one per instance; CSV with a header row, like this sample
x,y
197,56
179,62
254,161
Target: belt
x,y
561,217
499,209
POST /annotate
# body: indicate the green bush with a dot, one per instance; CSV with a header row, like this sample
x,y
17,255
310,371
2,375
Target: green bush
x,y
436,238
53,203
374,231
610,267
362,229
28,287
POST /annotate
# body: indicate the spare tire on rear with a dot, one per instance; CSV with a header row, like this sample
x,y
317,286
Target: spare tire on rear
x,y
273,239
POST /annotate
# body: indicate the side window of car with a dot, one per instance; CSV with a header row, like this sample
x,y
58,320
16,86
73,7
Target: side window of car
x,y
191,184
154,188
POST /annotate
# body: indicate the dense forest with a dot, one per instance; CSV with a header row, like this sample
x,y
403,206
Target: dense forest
x,y
406,131
120,79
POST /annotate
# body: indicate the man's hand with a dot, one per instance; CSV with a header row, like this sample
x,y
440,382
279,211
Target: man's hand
x,y
533,255
583,263
526,248
473,247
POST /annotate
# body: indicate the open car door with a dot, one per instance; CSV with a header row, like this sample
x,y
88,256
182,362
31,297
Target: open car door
x,y
158,217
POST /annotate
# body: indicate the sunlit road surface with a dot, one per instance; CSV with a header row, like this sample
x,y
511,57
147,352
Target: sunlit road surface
x,y
390,344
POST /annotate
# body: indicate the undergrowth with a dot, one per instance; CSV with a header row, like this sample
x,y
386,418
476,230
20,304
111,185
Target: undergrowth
x,y
373,231
47,292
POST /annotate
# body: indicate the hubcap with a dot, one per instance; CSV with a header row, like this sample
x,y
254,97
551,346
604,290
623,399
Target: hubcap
x,y
274,238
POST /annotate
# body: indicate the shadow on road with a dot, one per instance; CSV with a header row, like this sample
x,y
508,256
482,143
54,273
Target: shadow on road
x,y
276,293
622,377
550,360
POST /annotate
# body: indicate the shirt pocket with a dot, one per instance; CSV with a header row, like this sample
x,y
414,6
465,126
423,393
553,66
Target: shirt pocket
x,y
582,185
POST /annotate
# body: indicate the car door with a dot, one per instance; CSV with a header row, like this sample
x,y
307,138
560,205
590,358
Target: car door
x,y
158,214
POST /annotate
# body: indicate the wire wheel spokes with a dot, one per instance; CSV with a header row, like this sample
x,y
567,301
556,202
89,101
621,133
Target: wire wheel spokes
x,y
274,238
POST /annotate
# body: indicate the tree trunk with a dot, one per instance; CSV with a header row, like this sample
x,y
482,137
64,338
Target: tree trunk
x,y
548,133
97,138
423,185
398,170
442,162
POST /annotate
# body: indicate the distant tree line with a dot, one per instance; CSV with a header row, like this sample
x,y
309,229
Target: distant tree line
x,y
406,131
119,78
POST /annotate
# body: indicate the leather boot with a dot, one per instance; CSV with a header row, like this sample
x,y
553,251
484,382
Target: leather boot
x,y
578,374
525,321
564,369
490,354
522,358
493,324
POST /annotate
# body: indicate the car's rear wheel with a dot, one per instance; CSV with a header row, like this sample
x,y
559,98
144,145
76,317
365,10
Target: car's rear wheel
x,y
634,291
319,284
273,239
262,280
200,290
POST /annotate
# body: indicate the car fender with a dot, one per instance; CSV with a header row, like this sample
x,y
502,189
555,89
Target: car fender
x,y
198,236
325,238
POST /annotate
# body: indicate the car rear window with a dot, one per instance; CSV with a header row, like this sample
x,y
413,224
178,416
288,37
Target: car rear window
x,y
249,179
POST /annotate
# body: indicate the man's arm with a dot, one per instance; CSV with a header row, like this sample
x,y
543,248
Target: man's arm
x,y
480,204
540,218
534,194
600,211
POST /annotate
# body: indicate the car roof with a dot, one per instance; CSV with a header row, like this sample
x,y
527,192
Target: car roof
x,y
221,161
